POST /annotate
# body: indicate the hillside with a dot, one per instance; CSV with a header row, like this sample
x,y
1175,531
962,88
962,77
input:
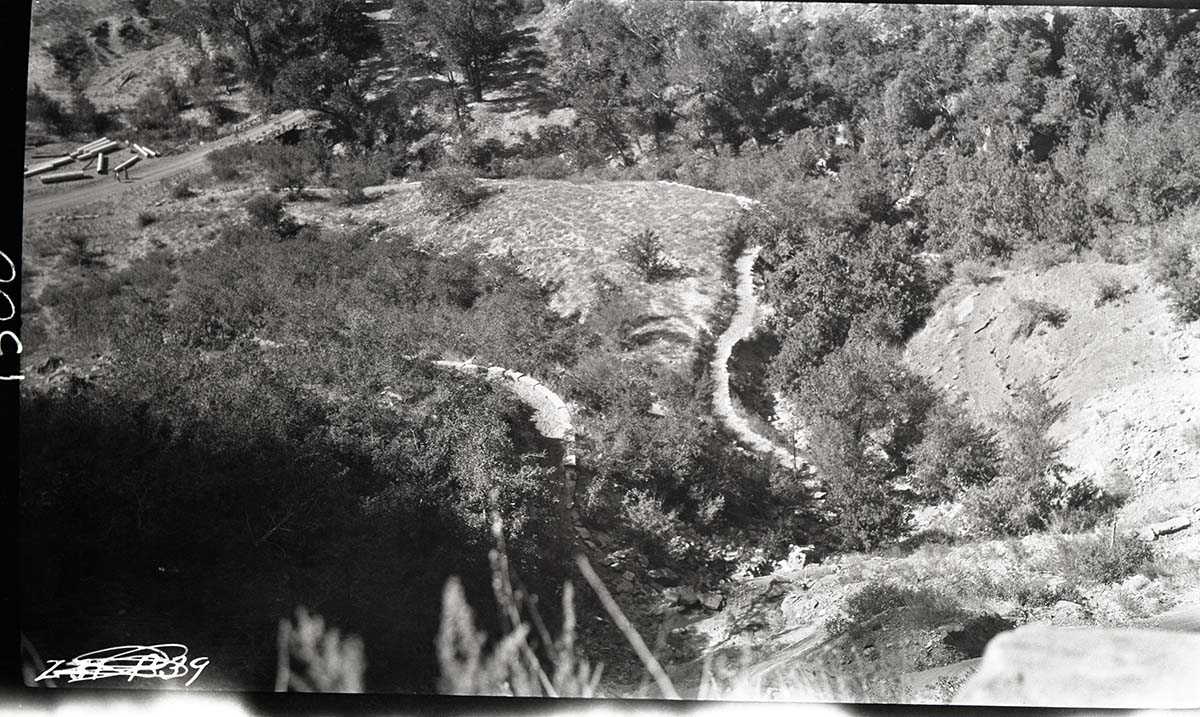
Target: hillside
x,y
1130,373
1131,377
566,233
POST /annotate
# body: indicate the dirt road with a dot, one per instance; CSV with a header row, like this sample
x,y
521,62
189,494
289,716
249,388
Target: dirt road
x,y
145,173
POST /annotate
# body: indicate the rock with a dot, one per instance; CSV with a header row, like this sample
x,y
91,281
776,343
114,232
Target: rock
x,y
1135,582
1087,667
1146,535
628,575
583,532
624,586
665,576
1174,525
684,596
658,409
712,601
1066,613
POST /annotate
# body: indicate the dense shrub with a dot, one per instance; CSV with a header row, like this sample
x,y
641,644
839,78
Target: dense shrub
x,y
1030,490
182,190
1143,168
1032,313
131,33
226,163
538,168
288,167
1029,452
72,55
354,174
265,210
154,110
100,32
450,192
41,107
645,252
85,117
1176,266
954,454
925,607
1104,558
866,412
1109,289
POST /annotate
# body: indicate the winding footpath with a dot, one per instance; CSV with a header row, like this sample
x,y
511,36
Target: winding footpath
x,y
740,328
553,420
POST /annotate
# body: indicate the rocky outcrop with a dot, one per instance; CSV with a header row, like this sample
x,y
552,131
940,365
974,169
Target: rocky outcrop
x,y
1087,667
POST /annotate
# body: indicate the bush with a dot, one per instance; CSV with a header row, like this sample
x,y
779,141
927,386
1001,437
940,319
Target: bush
x,y
1032,313
1104,558
1176,266
450,192
132,35
954,454
1029,451
926,607
865,411
538,168
265,210
1031,491
72,55
154,110
354,174
145,219
41,107
287,166
100,32
85,117
225,163
182,190
1143,168
646,253
1009,506
1109,289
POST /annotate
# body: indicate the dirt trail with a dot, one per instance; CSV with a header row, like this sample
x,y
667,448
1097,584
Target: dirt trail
x,y
740,328
155,170
551,418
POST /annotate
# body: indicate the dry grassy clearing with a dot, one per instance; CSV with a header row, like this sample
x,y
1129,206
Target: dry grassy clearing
x,y
565,233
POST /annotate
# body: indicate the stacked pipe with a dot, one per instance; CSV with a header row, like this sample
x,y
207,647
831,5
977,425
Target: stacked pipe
x,y
48,166
91,145
64,177
98,149
102,164
144,151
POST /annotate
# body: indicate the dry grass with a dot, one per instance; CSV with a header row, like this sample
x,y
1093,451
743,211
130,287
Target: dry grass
x,y
563,233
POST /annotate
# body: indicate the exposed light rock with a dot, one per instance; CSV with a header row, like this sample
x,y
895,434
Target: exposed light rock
x,y
1087,667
